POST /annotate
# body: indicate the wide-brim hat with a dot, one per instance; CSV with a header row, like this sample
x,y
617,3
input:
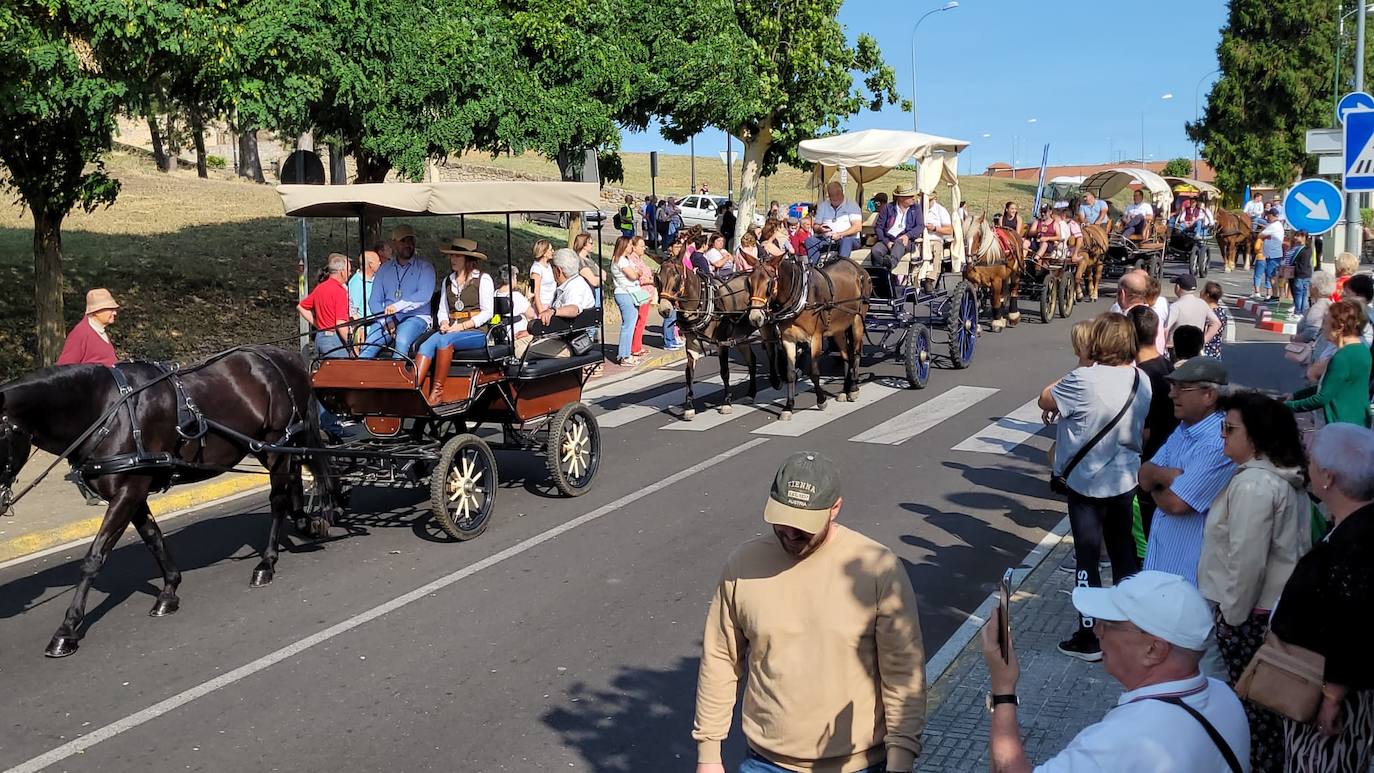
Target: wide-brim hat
x,y
461,246
402,231
99,299
906,190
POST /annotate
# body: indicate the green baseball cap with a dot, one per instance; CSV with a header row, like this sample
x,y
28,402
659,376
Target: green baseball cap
x,y
806,487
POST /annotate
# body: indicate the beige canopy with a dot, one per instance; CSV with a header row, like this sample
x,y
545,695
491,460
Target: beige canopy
x,y
1207,189
1109,182
444,198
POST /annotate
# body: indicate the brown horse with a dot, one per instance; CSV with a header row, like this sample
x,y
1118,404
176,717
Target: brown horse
x,y
1235,236
996,267
709,311
1091,261
807,304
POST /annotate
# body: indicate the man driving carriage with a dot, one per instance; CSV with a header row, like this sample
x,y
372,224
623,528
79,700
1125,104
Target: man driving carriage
x,y
1092,210
402,289
898,228
1135,223
838,223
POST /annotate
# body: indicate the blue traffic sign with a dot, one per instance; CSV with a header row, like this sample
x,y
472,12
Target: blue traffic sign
x,y
1355,100
1313,205
1359,150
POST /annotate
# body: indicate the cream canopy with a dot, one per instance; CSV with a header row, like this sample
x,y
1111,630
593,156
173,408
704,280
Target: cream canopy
x,y
1208,189
1109,182
445,198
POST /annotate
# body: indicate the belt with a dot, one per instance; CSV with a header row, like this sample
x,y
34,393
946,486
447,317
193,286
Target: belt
x,y
455,316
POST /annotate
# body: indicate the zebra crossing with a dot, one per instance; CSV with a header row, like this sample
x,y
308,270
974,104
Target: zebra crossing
x,y
656,398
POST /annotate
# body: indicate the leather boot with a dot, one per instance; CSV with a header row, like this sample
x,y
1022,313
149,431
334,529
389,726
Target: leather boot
x,y
422,372
442,360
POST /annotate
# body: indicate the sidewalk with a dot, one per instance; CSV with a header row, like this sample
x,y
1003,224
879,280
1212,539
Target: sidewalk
x,y
1059,695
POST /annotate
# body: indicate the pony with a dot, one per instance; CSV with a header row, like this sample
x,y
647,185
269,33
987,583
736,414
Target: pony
x,y
135,428
996,265
1235,237
1091,261
710,311
808,304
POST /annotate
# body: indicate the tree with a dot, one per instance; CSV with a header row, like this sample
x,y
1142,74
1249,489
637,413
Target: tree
x,y
1178,167
769,72
1270,91
57,116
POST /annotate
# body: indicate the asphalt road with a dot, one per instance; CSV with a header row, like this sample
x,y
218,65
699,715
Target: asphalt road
x,y
566,637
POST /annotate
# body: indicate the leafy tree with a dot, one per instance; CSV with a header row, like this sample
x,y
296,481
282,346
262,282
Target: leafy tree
x,y
57,116
770,72
1178,167
1269,92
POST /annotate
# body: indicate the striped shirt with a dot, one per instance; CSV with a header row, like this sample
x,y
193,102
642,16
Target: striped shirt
x,y
1196,449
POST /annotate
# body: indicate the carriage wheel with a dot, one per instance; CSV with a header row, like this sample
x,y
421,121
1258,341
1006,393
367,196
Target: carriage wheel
x,y
574,449
962,323
1067,282
916,355
462,488
1049,292
1155,265
1202,260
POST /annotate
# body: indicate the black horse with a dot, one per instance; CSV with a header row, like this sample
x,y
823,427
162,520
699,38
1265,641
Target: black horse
x,y
171,429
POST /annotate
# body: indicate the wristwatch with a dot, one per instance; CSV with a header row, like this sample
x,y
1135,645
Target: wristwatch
x,y
993,701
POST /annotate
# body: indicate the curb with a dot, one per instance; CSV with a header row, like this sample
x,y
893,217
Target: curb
x,y
653,363
1276,326
163,507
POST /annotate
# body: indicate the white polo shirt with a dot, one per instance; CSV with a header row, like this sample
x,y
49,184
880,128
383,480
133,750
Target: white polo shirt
x,y
840,218
574,292
1141,735
1142,209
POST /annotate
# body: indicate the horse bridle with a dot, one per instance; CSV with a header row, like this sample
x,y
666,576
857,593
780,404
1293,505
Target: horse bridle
x,y
10,470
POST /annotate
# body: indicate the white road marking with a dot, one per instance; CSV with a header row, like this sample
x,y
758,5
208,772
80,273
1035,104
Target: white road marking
x,y
625,414
1007,432
627,386
905,426
80,745
805,420
709,415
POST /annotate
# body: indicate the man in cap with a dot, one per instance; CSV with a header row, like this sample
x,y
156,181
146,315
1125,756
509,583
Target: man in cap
x,y
89,341
1190,309
1154,628
823,622
898,227
402,289
1188,471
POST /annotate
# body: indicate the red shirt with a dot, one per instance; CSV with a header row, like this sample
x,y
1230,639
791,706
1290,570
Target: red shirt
x,y
84,345
329,301
797,239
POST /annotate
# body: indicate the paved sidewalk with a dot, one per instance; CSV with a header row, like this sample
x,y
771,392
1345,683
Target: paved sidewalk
x,y
1059,695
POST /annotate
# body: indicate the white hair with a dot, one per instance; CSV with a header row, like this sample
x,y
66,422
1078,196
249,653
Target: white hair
x,y
1324,283
567,261
1344,450
338,263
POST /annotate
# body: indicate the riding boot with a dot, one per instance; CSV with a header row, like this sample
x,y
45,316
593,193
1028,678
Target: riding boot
x,y
422,372
442,360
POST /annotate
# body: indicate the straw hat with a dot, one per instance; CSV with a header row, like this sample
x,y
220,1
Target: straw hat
x,y
99,299
460,246
905,190
402,231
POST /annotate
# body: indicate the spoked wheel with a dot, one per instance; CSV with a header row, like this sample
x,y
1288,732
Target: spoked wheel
x,y
916,355
1049,293
1067,286
962,322
574,449
1156,266
1202,259
462,488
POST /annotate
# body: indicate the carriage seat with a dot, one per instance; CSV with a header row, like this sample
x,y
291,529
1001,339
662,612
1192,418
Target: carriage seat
x,y
536,366
498,341
884,283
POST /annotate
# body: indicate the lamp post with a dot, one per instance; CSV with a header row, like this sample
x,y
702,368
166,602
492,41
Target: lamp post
x,y
1340,45
949,6
1352,200
1197,116
1163,98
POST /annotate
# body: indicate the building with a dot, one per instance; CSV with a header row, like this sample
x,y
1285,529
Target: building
x,y
1205,172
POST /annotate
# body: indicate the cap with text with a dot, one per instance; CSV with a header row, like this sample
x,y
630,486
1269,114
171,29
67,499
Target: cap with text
x,y
806,487
1161,604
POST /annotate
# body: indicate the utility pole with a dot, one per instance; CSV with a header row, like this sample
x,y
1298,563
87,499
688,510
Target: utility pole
x,y
729,171
692,145
1352,200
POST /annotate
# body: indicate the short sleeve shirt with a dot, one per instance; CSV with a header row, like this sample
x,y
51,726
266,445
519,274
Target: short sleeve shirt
x,y
1272,246
574,292
1088,398
1196,449
547,284
1143,209
1092,212
839,218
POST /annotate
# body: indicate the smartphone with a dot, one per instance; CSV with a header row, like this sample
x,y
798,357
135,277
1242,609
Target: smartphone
x,y
1004,616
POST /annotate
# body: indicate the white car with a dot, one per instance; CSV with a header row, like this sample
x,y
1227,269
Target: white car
x,y
700,209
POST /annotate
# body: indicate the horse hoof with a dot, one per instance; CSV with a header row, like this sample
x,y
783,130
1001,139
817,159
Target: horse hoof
x,y
854,396
785,416
726,409
1014,318
689,414
820,406
61,647
164,607
998,325
261,577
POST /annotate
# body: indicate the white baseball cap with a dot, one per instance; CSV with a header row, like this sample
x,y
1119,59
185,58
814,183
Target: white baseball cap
x,y
1160,604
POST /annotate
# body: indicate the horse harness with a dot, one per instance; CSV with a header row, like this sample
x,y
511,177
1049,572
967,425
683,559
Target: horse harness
x,y
802,293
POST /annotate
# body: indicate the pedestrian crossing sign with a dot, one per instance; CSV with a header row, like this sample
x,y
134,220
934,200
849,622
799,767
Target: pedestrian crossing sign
x,y
1359,150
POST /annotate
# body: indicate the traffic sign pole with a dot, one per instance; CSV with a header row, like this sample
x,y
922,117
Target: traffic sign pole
x,y
1353,231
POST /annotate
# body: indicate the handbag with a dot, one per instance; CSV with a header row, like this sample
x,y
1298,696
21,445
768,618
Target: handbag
x,y
1059,483
640,296
1299,352
1284,678
1286,272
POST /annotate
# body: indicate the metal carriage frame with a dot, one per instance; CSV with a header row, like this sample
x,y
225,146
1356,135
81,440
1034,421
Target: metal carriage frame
x,y
902,318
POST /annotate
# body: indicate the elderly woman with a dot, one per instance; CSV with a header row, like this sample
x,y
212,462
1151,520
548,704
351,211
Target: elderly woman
x,y
1343,392
1309,331
1256,530
1346,266
1325,607
466,306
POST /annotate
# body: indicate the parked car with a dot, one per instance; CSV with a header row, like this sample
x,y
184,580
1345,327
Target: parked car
x,y
591,221
700,209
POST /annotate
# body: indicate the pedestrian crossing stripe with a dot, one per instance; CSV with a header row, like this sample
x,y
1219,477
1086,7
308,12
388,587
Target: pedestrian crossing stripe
x,y
803,422
1006,433
909,424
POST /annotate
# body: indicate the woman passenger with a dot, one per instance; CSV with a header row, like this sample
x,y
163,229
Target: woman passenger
x,y
466,306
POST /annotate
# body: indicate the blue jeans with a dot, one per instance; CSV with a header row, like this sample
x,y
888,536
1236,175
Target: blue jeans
x,y
629,315
1301,287
670,328
756,763
815,245
1262,272
458,339
408,331
328,345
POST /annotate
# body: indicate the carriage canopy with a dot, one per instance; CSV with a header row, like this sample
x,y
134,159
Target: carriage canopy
x,y
1109,182
443,198
1206,189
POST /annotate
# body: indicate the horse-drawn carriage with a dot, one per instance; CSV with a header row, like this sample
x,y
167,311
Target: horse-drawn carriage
x,y
1191,246
1145,251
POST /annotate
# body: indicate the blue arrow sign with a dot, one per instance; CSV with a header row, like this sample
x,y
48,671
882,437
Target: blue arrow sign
x,y
1313,205
1359,150
1355,100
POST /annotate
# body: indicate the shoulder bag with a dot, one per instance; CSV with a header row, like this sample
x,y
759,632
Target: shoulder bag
x,y
1059,483
1285,678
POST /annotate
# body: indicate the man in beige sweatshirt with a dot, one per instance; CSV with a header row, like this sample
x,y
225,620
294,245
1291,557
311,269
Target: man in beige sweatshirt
x,y
823,620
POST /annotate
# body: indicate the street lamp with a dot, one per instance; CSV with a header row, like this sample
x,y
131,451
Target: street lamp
x,y
951,5
1340,43
1197,116
1163,97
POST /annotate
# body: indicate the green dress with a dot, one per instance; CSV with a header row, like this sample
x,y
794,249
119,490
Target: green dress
x,y
1343,394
